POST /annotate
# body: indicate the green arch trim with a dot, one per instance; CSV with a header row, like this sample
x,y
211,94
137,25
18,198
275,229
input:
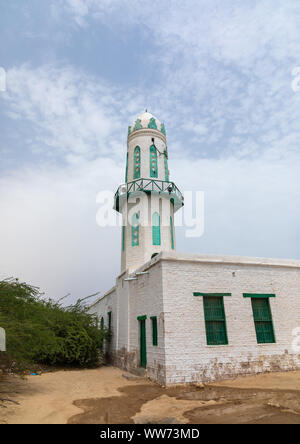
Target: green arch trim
x,y
152,123
138,125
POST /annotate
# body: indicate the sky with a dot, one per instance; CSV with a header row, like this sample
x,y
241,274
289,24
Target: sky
x,y
78,72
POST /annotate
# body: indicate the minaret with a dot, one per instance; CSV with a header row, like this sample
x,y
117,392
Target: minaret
x,y
147,200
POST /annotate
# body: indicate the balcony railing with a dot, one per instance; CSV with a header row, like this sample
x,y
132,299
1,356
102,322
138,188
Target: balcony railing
x,y
148,186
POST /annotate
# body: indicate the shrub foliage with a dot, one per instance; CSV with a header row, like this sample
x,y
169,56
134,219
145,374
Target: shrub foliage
x,y
43,331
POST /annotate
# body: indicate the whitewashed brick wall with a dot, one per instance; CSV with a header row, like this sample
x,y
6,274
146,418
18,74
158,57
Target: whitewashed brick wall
x,y
182,355
188,358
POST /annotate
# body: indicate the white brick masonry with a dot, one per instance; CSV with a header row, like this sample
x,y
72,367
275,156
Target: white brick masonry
x,y
182,355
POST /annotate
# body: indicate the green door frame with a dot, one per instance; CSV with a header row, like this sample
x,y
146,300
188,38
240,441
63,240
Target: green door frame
x,y
143,349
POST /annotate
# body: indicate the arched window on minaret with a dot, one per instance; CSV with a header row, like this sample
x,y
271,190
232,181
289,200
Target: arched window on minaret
x,y
137,163
135,230
153,161
156,229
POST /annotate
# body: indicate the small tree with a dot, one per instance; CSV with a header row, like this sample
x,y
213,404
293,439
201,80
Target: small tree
x,y
43,331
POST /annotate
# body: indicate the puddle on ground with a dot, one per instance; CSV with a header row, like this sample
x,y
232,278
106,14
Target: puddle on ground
x,y
152,404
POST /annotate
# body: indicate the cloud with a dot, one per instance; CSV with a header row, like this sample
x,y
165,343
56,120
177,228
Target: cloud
x,y
220,76
227,64
49,235
71,112
49,232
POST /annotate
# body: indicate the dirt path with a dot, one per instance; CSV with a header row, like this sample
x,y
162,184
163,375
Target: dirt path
x,y
48,398
104,396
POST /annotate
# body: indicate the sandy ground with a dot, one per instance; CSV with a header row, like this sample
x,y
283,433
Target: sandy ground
x,y
104,396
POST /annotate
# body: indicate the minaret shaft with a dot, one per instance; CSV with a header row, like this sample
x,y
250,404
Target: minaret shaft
x,y
147,200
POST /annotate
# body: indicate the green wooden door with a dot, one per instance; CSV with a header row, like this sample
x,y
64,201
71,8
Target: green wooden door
x,y
143,351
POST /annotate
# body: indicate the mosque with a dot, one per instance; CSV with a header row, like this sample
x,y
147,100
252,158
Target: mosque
x,y
187,318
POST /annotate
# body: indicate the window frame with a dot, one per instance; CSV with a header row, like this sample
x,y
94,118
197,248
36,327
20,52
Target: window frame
x,y
263,323
211,321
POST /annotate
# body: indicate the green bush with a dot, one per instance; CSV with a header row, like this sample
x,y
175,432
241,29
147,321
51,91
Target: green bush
x,y
42,331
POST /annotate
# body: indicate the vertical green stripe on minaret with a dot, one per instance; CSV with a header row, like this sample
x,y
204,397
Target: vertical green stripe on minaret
x,y
166,167
123,237
172,233
126,176
156,229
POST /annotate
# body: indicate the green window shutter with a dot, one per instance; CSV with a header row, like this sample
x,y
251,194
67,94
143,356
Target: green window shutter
x,y
172,232
156,229
102,323
123,237
166,167
215,321
135,230
153,161
263,320
154,331
137,163
126,176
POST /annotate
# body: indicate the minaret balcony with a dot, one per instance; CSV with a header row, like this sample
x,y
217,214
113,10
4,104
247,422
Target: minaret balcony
x,y
149,186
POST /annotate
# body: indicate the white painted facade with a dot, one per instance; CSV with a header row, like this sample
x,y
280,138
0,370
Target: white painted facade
x,y
164,287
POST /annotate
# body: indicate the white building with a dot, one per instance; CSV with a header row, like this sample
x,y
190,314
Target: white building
x,y
188,318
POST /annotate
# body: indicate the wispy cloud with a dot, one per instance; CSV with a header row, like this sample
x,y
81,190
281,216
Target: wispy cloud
x,y
228,63
70,111
218,73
